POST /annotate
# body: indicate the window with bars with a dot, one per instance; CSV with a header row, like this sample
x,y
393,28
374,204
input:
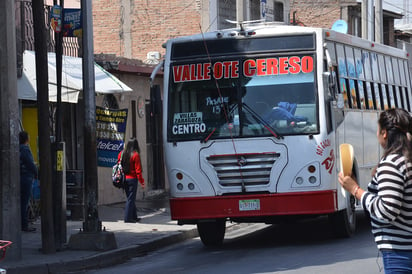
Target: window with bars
x,y
371,80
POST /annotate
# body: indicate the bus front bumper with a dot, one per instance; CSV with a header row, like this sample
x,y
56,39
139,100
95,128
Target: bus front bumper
x,y
255,205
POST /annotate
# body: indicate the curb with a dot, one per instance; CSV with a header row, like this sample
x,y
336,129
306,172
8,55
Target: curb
x,y
106,258
112,257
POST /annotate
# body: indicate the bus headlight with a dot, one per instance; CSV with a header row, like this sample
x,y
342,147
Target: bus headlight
x,y
191,186
179,186
312,179
299,180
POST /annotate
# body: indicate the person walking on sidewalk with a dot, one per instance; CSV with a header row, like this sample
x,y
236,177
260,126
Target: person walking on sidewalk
x,y
132,168
388,199
28,171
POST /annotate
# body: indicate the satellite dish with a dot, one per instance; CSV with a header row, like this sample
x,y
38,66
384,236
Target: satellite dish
x,y
340,26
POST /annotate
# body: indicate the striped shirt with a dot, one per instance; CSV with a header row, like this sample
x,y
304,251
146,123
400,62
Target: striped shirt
x,y
389,203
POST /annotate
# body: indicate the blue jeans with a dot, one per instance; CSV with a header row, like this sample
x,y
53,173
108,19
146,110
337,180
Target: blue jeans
x,y
130,213
395,261
26,185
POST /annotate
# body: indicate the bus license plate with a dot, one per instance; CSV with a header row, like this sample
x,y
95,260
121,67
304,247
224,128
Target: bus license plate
x,y
246,205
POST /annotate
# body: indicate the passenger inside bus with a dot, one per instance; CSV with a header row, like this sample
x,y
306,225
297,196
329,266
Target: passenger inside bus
x,y
284,111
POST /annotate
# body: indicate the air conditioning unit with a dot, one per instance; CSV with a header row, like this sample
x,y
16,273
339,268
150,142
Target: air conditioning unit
x,y
153,55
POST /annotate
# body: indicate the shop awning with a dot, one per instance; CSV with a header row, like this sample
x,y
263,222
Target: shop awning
x,y
72,79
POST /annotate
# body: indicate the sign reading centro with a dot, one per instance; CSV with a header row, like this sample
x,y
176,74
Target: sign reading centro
x,y
250,67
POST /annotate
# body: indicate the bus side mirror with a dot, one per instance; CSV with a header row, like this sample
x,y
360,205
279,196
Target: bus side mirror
x,y
333,87
330,81
340,103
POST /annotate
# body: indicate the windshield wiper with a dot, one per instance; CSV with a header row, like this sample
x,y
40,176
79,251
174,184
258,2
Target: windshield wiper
x,y
263,121
208,136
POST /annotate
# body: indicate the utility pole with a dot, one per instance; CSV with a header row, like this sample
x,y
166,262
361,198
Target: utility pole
x,y
59,185
378,21
9,131
42,86
92,237
365,18
92,222
371,19
240,11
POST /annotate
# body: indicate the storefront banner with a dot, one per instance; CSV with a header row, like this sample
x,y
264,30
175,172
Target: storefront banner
x,y
73,25
56,18
110,133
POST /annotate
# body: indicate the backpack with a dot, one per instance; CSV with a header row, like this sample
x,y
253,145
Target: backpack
x,y
118,176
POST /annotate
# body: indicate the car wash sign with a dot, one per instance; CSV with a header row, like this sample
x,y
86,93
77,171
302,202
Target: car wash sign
x,y
110,133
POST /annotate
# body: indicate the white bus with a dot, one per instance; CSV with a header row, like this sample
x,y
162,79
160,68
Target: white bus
x,y
253,118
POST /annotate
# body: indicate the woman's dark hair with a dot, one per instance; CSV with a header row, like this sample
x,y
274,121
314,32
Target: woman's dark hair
x,y
23,137
398,125
131,147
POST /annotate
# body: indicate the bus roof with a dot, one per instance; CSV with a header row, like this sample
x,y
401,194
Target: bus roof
x,y
275,29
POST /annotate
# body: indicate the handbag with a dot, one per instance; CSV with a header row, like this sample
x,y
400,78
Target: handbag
x,y
118,176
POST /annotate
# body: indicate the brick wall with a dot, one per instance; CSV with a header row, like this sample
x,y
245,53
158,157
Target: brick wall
x,y
151,24
318,13
106,26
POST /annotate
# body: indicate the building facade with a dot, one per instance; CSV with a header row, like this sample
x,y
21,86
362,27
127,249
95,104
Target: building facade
x,y
128,38
324,13
136,30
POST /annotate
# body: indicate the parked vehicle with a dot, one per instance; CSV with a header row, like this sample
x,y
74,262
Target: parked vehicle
x,y
253,118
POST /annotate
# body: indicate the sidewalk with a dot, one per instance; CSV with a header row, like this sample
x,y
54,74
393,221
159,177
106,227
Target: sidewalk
x,y
155,230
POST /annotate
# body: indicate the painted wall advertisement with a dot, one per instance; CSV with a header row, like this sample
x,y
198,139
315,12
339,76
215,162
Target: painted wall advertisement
x,y
110,133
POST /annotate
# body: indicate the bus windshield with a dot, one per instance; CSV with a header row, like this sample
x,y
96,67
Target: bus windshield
x,y
242,98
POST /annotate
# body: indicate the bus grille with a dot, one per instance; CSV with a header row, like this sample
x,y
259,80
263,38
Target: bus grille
x,y
243,169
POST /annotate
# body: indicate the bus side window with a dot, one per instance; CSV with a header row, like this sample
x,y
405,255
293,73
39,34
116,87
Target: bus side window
x,y
395,96
344,91
399,97
366,97
383,95
405,82
376,96
354,94
363,96
391,96
407,99
371,100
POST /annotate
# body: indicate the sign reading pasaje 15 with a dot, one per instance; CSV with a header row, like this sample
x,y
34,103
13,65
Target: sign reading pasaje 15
x,y
110,133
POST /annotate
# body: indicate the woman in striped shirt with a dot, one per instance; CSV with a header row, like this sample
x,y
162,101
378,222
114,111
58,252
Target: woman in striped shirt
x,y
388,199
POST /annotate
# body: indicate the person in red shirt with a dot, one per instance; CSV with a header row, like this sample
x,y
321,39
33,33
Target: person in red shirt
x,y
132,168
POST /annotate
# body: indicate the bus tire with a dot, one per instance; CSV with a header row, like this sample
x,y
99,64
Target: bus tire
x,y
212,232
344,221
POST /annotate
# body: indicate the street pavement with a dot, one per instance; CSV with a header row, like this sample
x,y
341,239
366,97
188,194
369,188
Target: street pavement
x,y
154,231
